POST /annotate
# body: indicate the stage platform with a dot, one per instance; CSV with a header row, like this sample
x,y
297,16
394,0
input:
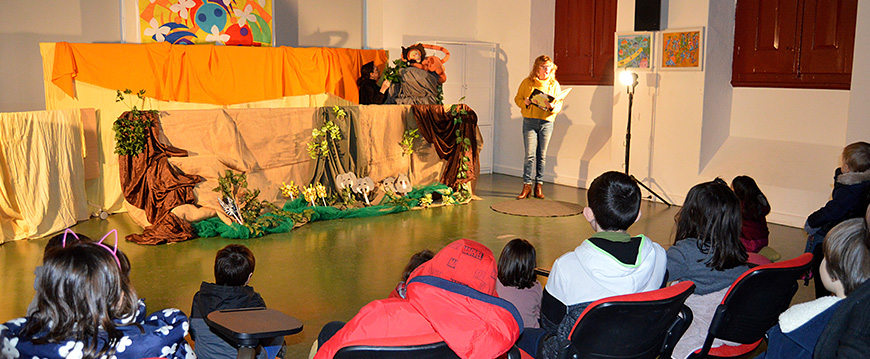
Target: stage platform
x,y
327,270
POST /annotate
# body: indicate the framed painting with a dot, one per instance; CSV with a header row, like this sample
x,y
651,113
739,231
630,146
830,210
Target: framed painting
x,y
682,49
634,50
220,22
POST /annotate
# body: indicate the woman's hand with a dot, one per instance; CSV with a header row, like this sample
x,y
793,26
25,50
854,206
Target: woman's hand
x,y
527,102
385,86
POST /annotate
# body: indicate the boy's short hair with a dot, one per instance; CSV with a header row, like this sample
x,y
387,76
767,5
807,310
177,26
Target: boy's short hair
x,y
847,253
614,198
857,156
233,265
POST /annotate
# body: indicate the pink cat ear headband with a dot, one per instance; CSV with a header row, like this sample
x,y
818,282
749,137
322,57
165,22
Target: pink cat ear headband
x,y
114,250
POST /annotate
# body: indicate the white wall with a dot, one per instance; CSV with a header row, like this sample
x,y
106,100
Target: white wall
x,y
27,23
333,23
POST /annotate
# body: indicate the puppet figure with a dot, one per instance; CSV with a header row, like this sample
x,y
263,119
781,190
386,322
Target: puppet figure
x,y
415,55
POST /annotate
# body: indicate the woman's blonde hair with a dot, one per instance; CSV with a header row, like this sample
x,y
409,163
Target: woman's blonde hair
x,y
541,61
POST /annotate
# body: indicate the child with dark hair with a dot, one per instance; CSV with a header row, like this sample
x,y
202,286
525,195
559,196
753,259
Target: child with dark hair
x,y
517,282
87,308
754,209
67,236
845,266
707,251
233,268
416,260
849,199
611,262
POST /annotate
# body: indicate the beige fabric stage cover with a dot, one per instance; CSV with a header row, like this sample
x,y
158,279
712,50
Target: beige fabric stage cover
x,y
270,146
43,171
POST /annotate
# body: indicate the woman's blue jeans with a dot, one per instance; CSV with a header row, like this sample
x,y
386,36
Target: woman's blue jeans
x,y
536,137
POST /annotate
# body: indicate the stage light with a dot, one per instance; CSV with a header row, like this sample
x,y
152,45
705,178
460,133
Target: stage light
x,y
629,79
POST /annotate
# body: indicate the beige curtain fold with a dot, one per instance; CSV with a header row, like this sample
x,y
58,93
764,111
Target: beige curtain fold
x,y
42,173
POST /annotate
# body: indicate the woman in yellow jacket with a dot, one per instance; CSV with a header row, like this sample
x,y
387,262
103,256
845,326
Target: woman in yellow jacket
x,y
537,122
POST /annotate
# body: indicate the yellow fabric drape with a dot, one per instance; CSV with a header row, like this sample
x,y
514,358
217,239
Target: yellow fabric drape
x,y
221,75
42,176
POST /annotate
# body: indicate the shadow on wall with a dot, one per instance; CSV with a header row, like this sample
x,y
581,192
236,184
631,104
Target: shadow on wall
x,y
326,38
601,113
508,129
602,130
287,30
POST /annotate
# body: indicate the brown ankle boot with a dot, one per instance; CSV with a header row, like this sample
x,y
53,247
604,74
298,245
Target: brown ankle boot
x,y
527,190
539,192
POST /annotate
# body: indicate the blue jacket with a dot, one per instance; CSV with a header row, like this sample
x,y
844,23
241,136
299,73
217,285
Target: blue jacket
x,y
160,335
799,343
848,200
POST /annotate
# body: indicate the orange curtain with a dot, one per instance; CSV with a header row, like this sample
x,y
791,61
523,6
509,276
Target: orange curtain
x,y
222,75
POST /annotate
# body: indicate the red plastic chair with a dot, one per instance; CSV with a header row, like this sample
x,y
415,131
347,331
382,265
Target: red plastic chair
x,y
752,306
636,326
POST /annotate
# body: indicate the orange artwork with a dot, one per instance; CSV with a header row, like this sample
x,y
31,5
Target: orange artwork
x,y
681,49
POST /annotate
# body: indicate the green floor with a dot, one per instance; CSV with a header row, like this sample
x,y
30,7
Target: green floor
x,y
326,271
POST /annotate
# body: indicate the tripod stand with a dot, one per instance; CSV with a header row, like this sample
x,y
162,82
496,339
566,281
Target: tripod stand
x,y
630,80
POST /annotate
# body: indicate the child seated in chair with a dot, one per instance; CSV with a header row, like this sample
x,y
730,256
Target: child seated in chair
x,y
707,251
611,262
450,298
849,199
517,282
233,268
845,266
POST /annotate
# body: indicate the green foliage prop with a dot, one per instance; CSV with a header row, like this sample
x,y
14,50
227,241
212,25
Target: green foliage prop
x,y
299,210
259,216
456,113
408,141
392,73
324,137
131,130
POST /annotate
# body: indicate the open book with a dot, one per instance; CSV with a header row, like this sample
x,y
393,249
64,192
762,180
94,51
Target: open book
x,y
546,101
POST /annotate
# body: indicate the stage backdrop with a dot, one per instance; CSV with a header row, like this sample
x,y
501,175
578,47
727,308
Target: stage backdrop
x,y
236,22
104,192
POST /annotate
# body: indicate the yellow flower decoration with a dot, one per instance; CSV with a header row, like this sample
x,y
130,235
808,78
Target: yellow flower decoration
x,y
426,201
289,190
321,190
310,194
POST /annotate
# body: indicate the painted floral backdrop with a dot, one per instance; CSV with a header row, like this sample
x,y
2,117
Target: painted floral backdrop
x,y
226,22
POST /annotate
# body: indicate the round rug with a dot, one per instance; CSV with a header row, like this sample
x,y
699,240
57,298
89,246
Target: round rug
x,y
534,207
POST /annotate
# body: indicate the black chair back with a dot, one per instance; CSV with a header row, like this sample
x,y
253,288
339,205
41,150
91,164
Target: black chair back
x,y
633,326
754,302
437,350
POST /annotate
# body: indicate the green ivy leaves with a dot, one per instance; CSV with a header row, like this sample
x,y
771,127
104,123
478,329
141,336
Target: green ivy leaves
x,y
132,127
